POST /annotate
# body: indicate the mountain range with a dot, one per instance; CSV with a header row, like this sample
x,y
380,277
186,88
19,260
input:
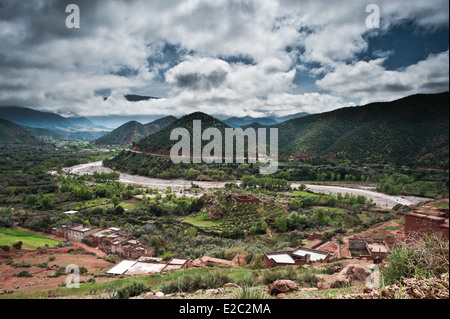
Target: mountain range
x,y
75,128
133,132
269,120
410,131
413,130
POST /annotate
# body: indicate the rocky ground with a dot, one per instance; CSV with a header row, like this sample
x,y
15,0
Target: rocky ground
x,y
414,288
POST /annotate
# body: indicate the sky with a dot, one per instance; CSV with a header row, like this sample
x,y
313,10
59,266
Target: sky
x,y
227,57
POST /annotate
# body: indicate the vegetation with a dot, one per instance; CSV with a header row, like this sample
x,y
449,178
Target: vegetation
x,y
422,257
29,240
405,132
195,222
133,132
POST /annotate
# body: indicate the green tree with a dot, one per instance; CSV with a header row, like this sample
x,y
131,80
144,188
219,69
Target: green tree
x,y
115,201
281,223
32,200
192,232
47,202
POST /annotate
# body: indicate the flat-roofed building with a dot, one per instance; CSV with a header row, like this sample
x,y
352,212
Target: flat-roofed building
x,y
79,233
296,257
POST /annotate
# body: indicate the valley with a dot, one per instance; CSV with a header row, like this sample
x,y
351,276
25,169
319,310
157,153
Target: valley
x,y
139,225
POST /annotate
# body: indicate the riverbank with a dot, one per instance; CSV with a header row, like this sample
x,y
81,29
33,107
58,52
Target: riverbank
x,y
380,199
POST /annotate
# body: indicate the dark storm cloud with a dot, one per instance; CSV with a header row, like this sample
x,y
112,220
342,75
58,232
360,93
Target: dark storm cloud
x,y
45,19
203,82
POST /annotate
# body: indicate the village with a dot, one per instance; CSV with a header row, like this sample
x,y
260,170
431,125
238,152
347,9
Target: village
x,y
137,259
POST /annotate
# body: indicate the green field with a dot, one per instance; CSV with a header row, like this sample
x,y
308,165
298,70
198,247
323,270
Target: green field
x,y
304,194
30,240
202,220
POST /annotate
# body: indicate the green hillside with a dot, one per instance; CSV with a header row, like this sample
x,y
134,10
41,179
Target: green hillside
x,y
160,142
405,131
409,131
47,136
133,131
11,133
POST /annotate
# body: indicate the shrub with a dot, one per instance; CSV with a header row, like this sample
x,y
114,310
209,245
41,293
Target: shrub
x,y
132,290
308,279
422,257
24,274
18,245
193,282
258,262
250,293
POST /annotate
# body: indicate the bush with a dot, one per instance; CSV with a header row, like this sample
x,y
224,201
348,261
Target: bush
x,y
250,293
132,290
24,274
194,282
17,245
419,257
5,247
308,279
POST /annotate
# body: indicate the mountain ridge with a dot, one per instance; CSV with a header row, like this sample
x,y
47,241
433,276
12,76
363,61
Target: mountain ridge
x,y
404,131
133,131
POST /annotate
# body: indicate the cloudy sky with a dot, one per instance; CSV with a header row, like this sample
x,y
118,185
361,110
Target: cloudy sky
x,y
231,57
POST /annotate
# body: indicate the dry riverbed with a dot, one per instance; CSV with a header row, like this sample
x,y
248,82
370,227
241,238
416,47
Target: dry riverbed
x,y
382,200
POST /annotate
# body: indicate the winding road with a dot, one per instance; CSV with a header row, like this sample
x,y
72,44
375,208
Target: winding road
x,y
382,200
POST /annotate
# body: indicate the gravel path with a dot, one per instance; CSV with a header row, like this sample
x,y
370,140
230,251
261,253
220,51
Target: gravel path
x,y
382,200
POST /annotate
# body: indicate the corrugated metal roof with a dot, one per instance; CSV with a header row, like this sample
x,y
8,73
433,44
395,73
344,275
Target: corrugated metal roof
x,y
315,255
281,258
121,267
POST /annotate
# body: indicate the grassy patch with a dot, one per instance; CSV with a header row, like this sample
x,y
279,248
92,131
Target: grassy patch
x,y
30,240
202,220
304,194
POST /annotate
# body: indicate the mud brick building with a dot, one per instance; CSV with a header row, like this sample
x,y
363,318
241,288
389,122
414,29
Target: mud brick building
x,y
422,222
74,232
369,248
246,199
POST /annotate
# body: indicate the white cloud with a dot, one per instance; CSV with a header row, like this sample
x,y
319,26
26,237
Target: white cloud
x,y
45,65
370,81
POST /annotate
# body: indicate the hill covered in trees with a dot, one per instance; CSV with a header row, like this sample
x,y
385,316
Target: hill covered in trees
x,y
412,130
133,131
11,133
160,142
409,131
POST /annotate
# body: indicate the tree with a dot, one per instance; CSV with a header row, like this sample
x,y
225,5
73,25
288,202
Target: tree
x,y
47,202
293,221
32,200
17,245
192,232
115,201
321,217
281,223
6,218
